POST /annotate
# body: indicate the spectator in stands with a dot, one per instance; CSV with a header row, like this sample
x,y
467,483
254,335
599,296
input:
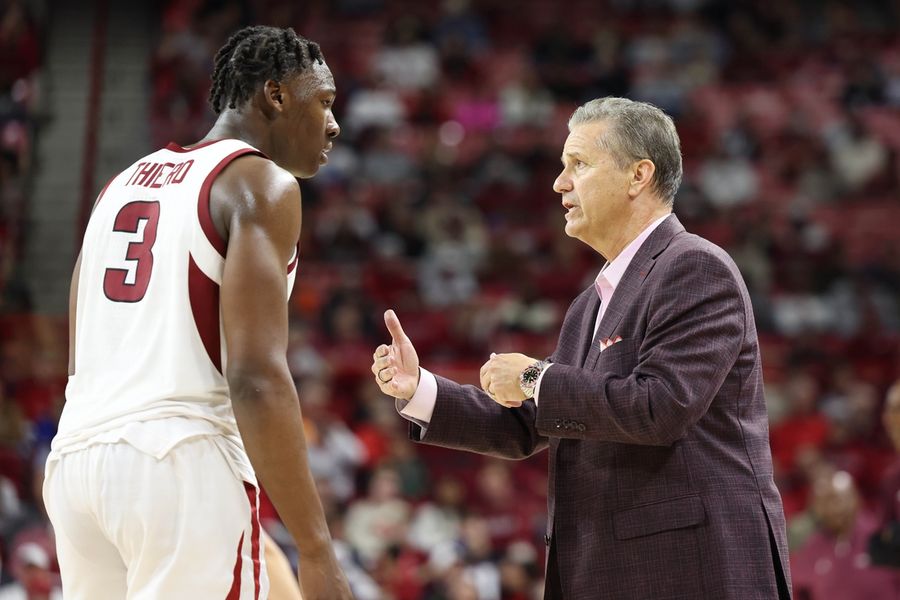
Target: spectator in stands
x,y
457,244
334,452
857,156
407,61
518,571
803,430
885,543
378,521
33,528
834,563
403,458
508,509
438,521
727,178
465,567
13,427
19,45
34,579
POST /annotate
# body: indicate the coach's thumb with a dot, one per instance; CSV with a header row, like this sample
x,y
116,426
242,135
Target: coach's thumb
x,y
394,327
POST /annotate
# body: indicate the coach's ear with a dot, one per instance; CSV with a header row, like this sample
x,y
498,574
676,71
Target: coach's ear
x,y
641,177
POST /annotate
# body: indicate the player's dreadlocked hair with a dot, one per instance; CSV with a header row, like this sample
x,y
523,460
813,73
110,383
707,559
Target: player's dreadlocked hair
x,y
253,55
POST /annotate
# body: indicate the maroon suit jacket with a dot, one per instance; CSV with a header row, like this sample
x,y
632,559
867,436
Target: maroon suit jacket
x,y
660,480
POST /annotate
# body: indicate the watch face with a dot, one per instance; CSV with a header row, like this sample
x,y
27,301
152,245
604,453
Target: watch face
x,y
530,375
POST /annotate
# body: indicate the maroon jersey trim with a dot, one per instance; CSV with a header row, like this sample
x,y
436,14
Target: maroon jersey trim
x,y
294,262
204,297
181,149
206,222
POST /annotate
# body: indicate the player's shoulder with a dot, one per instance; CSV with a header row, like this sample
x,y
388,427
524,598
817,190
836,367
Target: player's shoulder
x,y
260,175
255,182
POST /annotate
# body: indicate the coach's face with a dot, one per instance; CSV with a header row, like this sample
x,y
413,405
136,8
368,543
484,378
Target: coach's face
x,y
594,189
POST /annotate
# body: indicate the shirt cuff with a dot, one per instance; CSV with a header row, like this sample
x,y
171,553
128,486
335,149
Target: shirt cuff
x,y
421,406
537,385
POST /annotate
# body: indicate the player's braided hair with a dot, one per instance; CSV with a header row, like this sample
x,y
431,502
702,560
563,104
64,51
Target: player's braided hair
x,y
253,55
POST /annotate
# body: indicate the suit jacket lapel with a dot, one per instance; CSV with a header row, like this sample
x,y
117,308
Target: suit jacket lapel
x,y
588,318
630,285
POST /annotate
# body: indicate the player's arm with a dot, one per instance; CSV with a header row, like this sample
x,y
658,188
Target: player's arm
x,y
282,584
263,226
73,306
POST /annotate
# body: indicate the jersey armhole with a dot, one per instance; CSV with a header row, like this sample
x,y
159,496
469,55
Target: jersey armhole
x,y
203,212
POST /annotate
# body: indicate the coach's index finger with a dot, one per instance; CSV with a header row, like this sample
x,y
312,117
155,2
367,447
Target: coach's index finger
x,y
394,327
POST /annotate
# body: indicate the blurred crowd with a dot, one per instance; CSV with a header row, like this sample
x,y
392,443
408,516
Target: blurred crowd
x,y
20,61
437,202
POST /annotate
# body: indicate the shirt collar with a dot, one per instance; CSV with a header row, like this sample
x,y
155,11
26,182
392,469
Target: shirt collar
x,y
611,274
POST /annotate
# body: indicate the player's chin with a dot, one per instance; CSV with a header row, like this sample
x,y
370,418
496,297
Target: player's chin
x,y
308,170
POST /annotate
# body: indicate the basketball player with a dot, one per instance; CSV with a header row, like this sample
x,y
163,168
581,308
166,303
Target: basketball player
x,y
179,391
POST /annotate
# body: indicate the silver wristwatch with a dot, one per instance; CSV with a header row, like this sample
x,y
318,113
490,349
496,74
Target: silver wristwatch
x,y
529,377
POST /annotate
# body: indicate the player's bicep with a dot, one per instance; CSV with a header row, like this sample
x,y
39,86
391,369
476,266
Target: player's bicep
x,y
262,237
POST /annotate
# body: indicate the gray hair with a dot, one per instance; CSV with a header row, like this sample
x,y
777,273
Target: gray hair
x,y
638,130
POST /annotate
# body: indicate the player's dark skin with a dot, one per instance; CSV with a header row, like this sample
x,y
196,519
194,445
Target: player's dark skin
x,y
255,206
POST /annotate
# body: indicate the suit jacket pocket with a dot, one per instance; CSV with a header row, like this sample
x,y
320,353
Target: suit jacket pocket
x,y
665,515
619,358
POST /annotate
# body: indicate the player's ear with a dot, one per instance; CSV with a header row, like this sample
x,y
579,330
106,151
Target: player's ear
x,y
273,95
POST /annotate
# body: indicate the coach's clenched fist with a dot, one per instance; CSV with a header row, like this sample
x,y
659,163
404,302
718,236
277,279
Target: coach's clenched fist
x,y
500,378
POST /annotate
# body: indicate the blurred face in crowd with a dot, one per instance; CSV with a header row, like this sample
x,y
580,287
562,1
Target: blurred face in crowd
x,y
449,492
835,502
890,416
595,190
385,485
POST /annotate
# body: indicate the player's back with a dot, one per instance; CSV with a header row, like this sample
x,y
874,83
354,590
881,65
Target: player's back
x,y
148,341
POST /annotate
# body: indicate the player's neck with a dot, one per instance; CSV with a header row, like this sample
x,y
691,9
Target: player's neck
x,y
238,126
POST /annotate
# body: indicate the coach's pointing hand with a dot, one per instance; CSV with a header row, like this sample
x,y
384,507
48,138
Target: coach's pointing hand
x,y
396,367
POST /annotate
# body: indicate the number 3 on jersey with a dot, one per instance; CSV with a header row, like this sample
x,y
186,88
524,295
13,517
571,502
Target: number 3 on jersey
x,y
128,220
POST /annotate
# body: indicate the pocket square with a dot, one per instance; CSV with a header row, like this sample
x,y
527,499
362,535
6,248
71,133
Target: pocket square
x,y
607,342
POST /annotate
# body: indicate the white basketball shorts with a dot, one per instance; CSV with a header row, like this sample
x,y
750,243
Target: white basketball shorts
x,y
132,526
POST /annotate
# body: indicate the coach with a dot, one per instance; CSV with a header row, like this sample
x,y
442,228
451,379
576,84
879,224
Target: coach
x,y
652,404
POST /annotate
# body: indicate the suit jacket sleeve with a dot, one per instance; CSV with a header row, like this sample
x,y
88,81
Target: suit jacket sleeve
x,y
695,326
465,418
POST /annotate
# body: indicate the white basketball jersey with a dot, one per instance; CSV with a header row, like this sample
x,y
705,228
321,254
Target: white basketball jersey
x,y
148,336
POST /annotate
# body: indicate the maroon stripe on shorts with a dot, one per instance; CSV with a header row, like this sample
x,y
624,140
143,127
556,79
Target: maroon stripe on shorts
x,y
253,496
235,592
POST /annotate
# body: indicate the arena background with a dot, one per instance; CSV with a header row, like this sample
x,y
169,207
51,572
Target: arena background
x,y
437,202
